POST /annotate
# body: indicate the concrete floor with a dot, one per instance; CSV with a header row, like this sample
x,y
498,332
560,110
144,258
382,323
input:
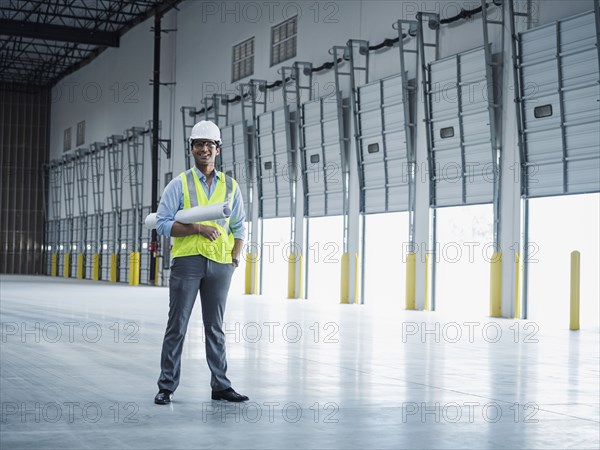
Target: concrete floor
x,y
80,360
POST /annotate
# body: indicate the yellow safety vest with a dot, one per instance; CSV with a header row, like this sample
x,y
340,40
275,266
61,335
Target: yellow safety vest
x,y
218,250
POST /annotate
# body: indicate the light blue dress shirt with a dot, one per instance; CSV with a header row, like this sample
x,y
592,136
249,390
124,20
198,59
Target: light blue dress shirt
x,y
172,201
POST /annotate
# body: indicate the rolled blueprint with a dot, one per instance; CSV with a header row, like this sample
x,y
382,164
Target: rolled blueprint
x,y
195,214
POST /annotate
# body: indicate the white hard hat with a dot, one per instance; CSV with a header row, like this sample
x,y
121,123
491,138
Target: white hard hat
x,y
205,129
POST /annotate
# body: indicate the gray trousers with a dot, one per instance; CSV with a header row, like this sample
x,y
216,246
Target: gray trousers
x,y
190,274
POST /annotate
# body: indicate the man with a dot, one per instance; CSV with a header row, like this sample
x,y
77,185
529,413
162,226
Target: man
x,y
205,256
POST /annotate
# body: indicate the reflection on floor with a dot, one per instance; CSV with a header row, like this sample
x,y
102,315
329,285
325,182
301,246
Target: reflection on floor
x,y
80,360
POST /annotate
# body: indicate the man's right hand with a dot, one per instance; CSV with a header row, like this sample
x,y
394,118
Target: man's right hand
x,y
210,233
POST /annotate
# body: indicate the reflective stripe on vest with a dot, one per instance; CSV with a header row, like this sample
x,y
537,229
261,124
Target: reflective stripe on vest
x,y
194,195
228,189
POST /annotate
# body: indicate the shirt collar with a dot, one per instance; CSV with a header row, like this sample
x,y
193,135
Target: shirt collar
x,y
202,177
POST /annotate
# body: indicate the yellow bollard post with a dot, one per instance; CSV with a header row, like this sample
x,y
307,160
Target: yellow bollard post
x,y
67,267
295,266
96,266
301,262
251,276
80,266
292,276
345,284
356,279
131,268
496,285
113,267
426,307
518,286
134,268
345,280
138,265
411,274
157,271
54,265
575,289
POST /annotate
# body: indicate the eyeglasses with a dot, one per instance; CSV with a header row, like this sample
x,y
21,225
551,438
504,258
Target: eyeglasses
x,y
200,144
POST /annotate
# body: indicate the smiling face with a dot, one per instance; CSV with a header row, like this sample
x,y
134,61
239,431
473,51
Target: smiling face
x,y
205,152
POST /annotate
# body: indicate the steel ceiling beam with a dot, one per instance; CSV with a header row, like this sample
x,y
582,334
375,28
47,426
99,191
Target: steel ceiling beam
x,y
41,42
59,33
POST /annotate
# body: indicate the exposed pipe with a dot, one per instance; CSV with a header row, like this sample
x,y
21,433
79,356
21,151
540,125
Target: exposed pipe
x,y
154,156
529,14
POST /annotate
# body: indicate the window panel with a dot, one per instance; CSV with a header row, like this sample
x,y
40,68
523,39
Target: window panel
x,y
67,140
283,40
291,48
80,133
243,60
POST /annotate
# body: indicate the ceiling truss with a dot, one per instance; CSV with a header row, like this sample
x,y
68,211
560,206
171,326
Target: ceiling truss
x,y
42,41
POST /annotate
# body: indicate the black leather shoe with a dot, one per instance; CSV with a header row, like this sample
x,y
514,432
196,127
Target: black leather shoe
x,y
229,395
163,397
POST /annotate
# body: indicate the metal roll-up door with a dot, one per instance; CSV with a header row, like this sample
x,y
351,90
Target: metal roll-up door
x,y
383,146
91,244
127,243
146,237
235,156
322,157
561,107
63,244
108,243
78,223
461,150
275,164
51,232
